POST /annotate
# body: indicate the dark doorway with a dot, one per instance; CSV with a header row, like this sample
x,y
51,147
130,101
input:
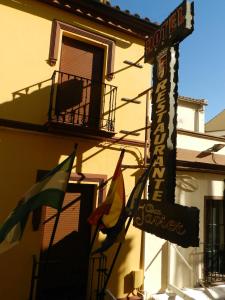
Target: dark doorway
x,y
66,273
214,240
80,82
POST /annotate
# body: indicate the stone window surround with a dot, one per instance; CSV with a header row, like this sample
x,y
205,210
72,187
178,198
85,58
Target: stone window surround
x,y
58,26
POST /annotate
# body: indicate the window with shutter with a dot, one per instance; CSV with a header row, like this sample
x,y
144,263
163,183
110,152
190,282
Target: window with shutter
x,y
80,82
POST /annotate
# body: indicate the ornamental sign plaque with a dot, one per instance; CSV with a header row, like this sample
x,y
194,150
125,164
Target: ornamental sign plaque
x,y
173,222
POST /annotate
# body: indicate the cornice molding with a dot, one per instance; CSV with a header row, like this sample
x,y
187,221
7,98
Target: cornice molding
x,y
200,135
107,16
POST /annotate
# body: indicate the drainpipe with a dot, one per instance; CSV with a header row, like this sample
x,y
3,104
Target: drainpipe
x,y
168,265
146,151
147,131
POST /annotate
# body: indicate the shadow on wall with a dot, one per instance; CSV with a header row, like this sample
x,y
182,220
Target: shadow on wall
x,y
65,273
29,104
32,103
118,284
64,101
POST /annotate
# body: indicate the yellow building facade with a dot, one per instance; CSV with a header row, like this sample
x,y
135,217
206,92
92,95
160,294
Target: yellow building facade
x,y
68,71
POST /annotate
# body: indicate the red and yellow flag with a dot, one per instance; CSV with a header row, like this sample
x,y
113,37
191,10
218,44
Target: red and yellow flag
x,y
109,211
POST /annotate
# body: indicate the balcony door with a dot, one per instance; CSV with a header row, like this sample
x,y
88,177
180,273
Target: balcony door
x,y
214,240
78,99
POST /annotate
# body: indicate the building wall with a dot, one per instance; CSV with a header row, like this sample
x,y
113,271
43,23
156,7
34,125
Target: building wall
x,y
27,75
203,185
220,133
38,151
190,142
163,264
190,116
24,96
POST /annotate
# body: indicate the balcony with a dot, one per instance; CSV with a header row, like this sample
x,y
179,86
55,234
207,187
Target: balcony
x,y
80,105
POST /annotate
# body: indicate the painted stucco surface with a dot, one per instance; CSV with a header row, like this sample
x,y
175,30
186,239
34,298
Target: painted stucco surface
x,y
24,97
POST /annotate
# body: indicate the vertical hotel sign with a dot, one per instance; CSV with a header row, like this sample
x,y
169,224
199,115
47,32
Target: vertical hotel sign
x,y
162,49
160,215
163,126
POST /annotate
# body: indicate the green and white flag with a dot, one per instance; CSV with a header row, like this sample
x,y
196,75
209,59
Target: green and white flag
x,y
48,191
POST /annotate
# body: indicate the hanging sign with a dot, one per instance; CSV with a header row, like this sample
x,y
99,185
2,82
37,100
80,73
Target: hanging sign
x,y
173,30
159,214
173,222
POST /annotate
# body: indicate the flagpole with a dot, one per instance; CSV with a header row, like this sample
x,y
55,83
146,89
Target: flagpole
x,y
98,224
58,215
102,293
93,239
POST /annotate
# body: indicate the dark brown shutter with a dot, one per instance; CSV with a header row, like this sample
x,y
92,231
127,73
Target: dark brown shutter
x,y
80,83
81,59
68,221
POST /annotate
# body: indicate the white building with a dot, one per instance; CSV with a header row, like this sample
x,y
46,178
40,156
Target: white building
x,y
200,183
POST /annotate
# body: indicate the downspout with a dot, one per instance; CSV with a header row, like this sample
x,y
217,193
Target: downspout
x,y
146,152
168,266
147,131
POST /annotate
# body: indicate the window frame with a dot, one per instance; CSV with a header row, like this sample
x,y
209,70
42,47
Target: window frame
x,y
58,27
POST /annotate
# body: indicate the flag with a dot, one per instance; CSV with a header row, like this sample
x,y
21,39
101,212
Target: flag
x,y
107,214
48,191
114,232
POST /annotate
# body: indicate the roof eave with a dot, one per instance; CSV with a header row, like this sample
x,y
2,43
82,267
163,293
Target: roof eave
x,y
107,15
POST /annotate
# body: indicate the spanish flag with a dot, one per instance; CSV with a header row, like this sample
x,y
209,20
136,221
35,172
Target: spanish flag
x,y
118,231
108,213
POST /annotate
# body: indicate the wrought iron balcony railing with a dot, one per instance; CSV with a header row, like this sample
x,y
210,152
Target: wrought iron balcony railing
x,y
214,262
209,262
79,101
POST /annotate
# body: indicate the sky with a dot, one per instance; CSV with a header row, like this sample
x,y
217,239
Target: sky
x,y
202,54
